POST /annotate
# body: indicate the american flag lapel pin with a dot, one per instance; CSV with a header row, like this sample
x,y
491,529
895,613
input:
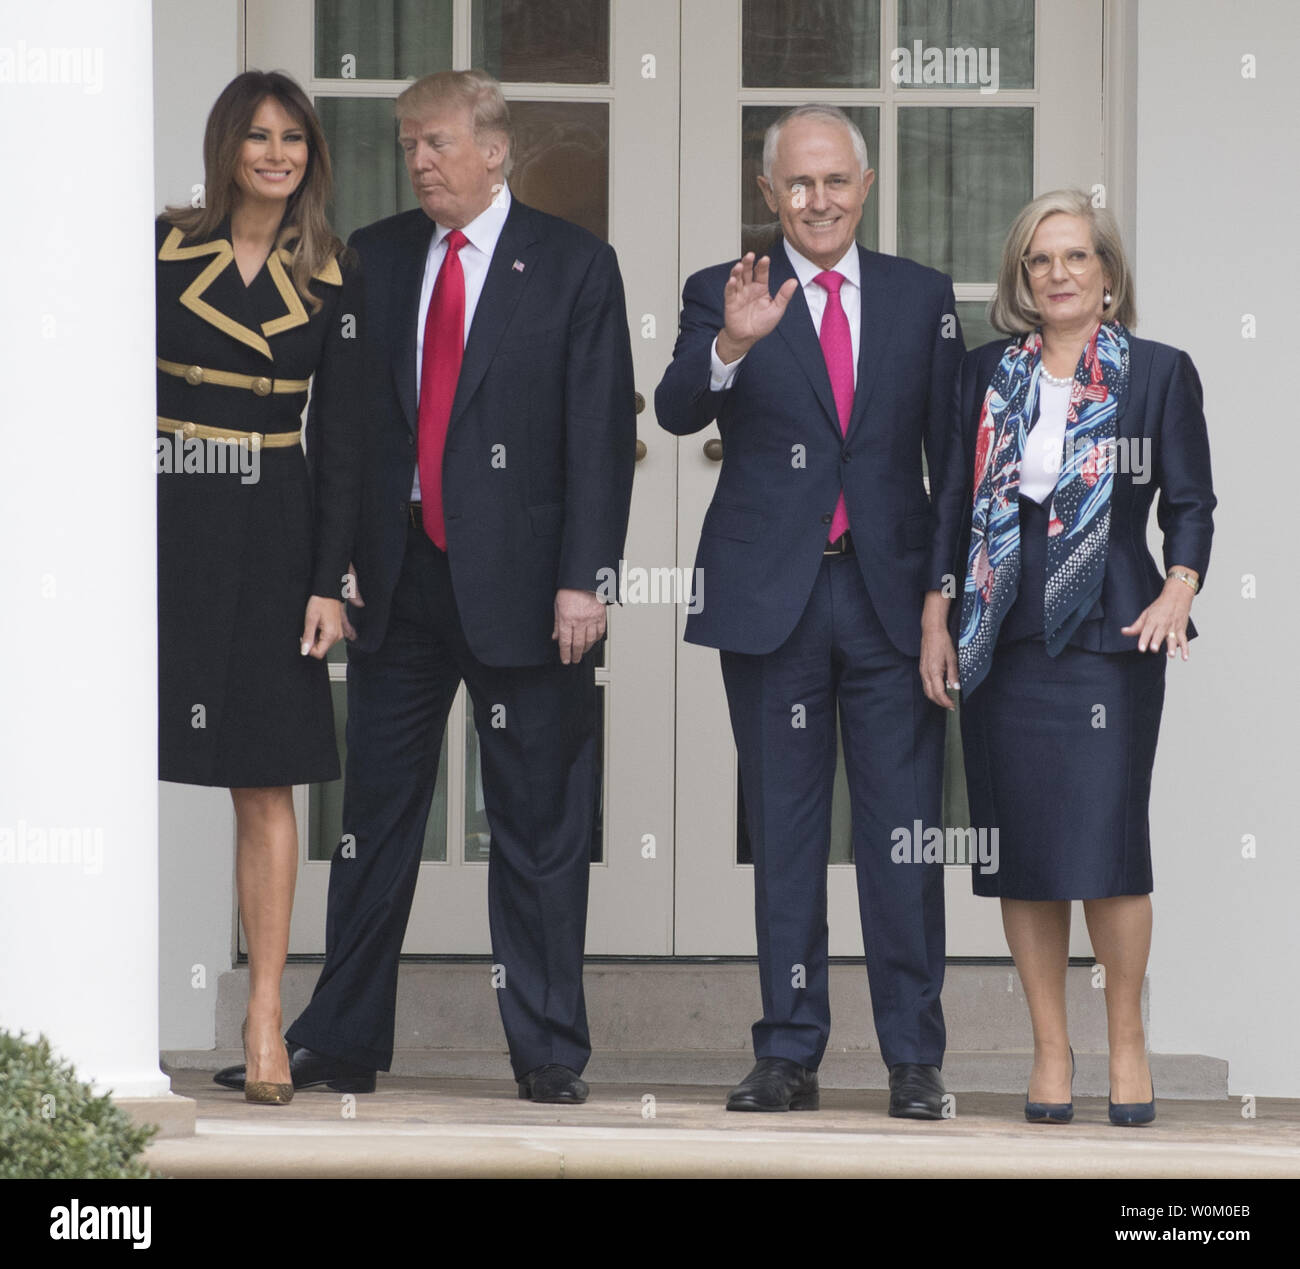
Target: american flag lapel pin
x,y
518,266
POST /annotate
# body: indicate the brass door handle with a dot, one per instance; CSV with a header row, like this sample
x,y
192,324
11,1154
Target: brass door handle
x,y
713,450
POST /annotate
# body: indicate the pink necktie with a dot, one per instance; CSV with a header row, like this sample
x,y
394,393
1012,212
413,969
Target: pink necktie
x,y
444,349
837,348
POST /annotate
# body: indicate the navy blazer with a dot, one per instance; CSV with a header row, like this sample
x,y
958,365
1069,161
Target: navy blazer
x,y
1163,414
537,470
785,459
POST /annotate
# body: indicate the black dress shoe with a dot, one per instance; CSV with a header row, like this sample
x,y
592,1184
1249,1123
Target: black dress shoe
x,y
776,1084
915,1092
307,1069
553,1084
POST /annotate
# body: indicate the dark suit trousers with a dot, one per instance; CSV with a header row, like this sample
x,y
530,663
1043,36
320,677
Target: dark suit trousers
x,y
838,653
539,785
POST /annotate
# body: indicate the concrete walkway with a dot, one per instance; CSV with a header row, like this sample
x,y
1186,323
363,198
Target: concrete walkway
x,y
479,1128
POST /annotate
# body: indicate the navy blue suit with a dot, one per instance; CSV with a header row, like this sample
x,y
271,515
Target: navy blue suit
x,y
1164,409
537,481
806,638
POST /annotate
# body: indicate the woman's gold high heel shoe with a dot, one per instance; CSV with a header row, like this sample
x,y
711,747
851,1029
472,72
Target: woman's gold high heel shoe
x,y
263,1091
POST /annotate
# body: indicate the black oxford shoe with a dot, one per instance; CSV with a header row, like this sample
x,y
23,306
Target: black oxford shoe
x,y
915,1092
308,1069
553,1083
776,1084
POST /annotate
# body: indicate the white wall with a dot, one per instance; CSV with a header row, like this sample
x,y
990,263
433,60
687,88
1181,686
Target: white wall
x,y
78,855
1218,192
198,49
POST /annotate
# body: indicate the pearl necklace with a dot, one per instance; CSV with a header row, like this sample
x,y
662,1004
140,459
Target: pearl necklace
x,y
1054,381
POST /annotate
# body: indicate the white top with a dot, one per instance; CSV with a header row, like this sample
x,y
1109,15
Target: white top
x,y
482,233
1040,464
850,300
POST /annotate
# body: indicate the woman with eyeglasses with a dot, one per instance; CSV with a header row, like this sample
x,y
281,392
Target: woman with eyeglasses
x,y
1063,435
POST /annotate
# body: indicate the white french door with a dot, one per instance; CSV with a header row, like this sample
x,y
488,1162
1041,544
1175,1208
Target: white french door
x,y
954,164
593,91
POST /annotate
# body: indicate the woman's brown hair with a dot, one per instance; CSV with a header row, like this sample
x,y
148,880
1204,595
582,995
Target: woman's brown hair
x,y
305,230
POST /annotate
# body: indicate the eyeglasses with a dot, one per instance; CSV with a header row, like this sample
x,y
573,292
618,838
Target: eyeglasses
x,y
1076,260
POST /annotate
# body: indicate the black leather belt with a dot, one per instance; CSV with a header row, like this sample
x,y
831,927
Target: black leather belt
x,y
843,545
415,514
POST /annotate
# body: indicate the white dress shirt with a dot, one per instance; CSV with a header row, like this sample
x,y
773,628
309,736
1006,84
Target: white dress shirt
x,y
1040,464
723,373
482,233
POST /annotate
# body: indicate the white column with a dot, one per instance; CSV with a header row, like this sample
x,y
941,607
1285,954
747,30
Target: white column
x,y
78,714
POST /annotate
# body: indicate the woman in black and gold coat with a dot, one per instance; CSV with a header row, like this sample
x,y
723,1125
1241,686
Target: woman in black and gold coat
x,y
255,296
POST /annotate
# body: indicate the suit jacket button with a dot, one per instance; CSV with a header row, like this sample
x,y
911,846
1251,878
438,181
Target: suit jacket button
x,y
826,519
846,456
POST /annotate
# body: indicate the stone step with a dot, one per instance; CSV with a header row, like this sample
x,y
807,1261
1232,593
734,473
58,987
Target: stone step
x,y
683,1006
688,1022
1176,1075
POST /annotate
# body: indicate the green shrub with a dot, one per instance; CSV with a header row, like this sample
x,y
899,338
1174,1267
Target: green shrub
x,y
52,1125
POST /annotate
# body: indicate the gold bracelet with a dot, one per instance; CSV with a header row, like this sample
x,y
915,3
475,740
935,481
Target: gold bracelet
x,y
1186,578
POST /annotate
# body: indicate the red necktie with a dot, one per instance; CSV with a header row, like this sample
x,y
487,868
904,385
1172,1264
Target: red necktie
x,y
444,350
837,348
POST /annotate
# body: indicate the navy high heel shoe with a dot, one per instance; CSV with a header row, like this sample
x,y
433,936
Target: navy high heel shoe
x,y
1132,1114
1053,1112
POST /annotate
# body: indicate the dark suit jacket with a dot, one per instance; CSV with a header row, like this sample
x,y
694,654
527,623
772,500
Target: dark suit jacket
x,y
1164,408
547,375
765,530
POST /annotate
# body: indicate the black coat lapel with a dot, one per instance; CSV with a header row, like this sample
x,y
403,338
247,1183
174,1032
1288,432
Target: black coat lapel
x,y
406,285
512,267
796,328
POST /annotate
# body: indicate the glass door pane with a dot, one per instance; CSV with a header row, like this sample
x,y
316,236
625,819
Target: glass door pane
x,y
945,153
542,41
798,43
988,29
382,39
562,160
370,180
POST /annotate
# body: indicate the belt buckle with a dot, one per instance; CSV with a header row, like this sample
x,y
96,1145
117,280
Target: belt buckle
x,y
840,546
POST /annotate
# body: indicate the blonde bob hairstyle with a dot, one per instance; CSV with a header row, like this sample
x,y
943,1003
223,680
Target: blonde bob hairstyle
x,y
1012,310
474,89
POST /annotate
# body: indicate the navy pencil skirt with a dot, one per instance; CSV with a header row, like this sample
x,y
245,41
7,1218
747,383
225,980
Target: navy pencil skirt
x,y
1058,755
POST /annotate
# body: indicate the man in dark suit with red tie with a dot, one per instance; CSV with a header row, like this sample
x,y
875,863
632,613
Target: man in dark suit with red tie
x,y
497,483
828,368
